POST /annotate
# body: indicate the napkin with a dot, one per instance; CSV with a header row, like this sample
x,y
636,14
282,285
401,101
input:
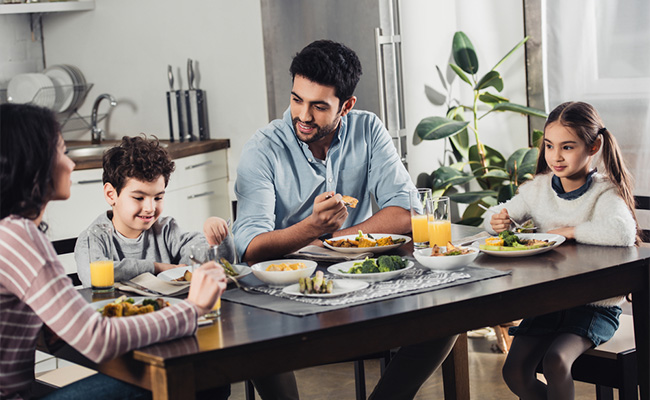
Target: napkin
x,y
470,239
318,253
153,285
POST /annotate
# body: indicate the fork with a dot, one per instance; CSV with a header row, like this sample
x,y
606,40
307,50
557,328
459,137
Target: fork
x,y
517,224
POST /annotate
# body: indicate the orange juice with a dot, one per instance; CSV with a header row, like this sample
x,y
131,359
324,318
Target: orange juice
x,y
439,232
420,229
101,275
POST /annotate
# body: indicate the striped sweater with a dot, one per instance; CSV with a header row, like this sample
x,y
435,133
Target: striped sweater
x,y
34,290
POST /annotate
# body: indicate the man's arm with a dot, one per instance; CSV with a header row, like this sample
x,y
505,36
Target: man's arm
x,y
328,215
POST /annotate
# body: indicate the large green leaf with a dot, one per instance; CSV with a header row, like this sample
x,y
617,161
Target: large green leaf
x,y
528,165
493,79
445,176
506,192
470,197
460,141
473,211
474,221
492,99
515,161
518,45
492,158
464,53
460,73
538,136
434,128
496,173
516,108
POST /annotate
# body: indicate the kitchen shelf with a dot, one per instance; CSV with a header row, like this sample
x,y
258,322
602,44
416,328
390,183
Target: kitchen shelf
x,y
45,7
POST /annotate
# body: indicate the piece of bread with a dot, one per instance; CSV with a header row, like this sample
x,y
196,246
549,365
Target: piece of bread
x,y
350,201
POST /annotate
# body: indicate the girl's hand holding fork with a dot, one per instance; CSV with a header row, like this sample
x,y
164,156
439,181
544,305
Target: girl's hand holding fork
x,y
501,221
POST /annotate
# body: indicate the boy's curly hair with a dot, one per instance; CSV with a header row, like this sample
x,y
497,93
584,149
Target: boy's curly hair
x,y
139,158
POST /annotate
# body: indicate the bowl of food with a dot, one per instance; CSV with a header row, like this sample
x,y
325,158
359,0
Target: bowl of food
x,y
283,272
446,257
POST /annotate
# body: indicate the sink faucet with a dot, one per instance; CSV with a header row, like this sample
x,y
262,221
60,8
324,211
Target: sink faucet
x,y
95,132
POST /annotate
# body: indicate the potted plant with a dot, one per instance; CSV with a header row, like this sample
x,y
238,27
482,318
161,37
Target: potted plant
x,y
497,176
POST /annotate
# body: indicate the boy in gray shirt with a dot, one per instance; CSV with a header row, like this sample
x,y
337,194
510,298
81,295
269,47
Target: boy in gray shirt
x,y
135,176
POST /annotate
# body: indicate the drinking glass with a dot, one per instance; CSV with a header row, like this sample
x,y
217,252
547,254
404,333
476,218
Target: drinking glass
x,y
439,221
100,257
417,200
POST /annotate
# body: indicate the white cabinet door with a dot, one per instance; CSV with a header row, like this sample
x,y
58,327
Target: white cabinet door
x,y
66,219
191,206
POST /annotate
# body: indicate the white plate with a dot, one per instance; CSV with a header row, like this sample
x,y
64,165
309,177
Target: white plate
x,y
63,85
31,88
378,249
98,305
172,274
374,277
558,239
341,287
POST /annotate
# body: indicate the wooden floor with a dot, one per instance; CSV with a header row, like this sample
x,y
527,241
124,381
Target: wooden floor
x,y
336,381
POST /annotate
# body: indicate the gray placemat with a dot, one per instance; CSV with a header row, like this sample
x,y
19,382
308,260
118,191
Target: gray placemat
x,y
415,280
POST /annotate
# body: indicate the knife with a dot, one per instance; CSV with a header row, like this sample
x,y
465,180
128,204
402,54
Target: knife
x,y
197,107
172,104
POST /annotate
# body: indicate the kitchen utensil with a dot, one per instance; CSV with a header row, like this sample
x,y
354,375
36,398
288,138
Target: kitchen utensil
x,y
172,106
195,100
517,224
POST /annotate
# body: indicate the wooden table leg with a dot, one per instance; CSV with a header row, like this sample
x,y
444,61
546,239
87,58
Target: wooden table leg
x,y
173,383
641,313
455,371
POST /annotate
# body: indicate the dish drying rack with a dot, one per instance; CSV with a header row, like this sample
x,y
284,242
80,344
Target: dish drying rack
x,y
69,118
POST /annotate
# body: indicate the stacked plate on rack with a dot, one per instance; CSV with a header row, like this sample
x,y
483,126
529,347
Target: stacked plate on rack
x,y
60,87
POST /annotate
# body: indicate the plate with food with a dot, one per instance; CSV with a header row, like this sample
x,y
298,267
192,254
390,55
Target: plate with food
x,y
446,257
318,286
184,274
283,272
377,269
362,242
125,306
510,244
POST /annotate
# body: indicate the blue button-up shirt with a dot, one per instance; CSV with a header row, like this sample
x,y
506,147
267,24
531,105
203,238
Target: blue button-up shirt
x,y
278,177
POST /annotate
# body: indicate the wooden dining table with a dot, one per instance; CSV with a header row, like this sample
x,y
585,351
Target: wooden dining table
x,y
248,342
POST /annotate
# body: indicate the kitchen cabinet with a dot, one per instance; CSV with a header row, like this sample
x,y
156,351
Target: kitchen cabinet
x,y
59,6
197,189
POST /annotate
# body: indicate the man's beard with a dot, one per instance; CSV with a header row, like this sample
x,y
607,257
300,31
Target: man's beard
x,y
320,132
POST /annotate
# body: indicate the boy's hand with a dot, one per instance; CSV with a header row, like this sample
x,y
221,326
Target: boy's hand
x,y
215,230
160,267
208,282
501,221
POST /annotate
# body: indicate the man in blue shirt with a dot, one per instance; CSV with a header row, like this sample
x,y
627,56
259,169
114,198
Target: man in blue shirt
x,y
293,172
290,180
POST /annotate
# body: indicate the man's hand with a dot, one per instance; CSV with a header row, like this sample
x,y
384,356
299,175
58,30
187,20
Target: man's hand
x,y
160,267
215,230
329,213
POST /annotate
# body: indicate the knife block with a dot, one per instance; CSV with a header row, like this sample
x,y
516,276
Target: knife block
x,y
197,115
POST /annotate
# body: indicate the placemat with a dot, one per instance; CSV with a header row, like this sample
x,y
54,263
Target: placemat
x,y
414,281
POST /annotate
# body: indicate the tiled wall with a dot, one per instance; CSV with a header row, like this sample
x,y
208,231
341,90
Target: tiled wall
x,y
18,53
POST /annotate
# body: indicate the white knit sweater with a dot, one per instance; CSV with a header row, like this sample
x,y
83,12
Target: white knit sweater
x,y
600,216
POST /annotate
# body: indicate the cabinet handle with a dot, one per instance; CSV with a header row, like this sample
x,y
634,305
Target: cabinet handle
x,y
194,196
199,164
88,181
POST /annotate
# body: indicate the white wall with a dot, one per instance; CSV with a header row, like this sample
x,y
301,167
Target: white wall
x,y
494,27
123,47
18,52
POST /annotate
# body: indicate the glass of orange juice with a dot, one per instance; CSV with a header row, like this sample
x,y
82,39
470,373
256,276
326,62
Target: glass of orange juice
x,y
439,221
417,200
100,257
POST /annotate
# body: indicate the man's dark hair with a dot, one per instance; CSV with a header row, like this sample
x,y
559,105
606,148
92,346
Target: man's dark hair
x,y
139,158
331,64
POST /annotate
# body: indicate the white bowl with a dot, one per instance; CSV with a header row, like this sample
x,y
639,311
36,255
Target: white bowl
x,y
283,278
445,262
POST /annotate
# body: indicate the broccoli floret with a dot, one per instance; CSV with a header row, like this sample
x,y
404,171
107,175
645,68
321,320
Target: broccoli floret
x,y
509,238
152,302
390,263
368,266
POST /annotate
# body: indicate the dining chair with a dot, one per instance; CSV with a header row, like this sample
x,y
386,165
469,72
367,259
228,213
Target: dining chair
x,y
610,365
66,246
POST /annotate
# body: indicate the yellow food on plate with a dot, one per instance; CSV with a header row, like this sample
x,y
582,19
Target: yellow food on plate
x,y
494,241
286,267
124,307
350,201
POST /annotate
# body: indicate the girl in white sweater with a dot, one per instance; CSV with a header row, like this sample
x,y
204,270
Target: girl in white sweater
x,y
568,198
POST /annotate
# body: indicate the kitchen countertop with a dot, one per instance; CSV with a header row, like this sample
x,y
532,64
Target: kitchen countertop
x,y
176,150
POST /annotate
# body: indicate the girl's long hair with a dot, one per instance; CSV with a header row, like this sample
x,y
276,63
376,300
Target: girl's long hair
x,y
28,143
584,120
